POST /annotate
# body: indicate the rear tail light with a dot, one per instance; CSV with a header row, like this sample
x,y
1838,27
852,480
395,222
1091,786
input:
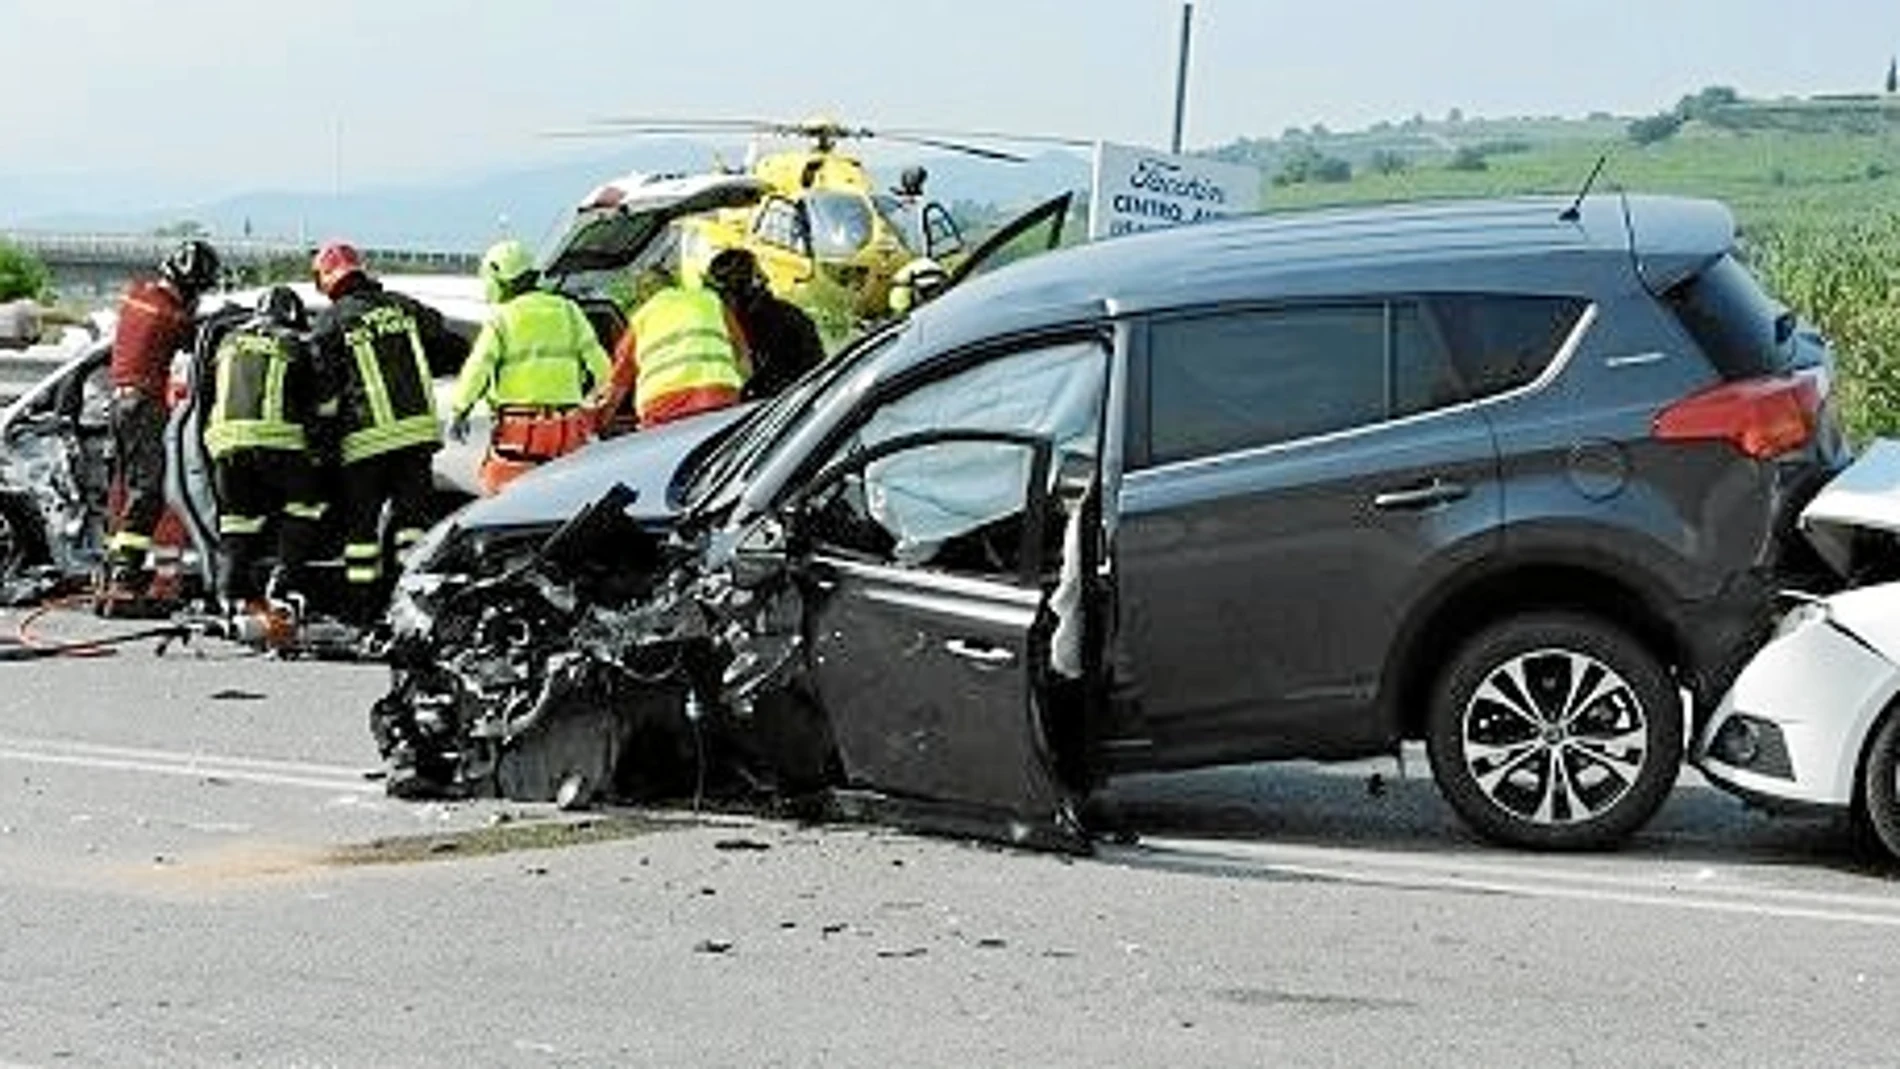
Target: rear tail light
x,y
1763,418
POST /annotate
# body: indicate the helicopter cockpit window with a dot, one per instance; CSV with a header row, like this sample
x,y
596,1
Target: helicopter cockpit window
x,y
777,224
840,223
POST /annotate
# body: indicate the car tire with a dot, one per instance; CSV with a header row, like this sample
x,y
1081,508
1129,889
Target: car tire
x,y
1877,808
1555,731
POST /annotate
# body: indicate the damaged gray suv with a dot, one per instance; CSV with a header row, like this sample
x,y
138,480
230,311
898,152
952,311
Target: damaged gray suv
x,y
1510,477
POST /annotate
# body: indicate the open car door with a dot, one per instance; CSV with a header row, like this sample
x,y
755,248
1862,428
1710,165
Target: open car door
x,y
926,558
1037,230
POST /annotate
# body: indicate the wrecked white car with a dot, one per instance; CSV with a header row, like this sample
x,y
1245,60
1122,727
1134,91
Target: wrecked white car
x,y
56,448
1813,722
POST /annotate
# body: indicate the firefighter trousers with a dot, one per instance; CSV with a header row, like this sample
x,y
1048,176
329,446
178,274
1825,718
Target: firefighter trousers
x,y
138,448
263,492
402,480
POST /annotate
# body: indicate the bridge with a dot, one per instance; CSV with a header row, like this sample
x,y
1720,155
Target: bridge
x,y
95,267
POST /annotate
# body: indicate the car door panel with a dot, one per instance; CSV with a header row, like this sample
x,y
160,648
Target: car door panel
x,y
1262,584
1261,593
925,575
927,681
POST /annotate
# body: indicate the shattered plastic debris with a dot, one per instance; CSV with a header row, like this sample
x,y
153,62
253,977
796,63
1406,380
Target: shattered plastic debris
x,y
741,845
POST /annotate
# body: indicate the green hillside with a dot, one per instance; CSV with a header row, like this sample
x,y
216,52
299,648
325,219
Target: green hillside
x,y
1815,184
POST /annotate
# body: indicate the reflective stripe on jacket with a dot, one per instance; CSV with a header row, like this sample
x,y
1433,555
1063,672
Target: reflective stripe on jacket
x,y
250,409
393,406
538,350
682,347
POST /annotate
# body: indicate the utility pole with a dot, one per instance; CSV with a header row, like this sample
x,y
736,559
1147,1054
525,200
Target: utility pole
x,y
1181,75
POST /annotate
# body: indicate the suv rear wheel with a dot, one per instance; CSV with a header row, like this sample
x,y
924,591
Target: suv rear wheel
x,y
1555,731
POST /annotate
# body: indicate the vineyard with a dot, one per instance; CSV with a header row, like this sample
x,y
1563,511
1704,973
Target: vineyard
x,y
1844,274
1819,210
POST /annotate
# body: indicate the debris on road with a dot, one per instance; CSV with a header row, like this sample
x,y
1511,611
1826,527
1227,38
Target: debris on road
x,y
741,845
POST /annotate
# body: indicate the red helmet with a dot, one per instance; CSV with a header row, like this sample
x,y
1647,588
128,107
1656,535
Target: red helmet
x,y
334,263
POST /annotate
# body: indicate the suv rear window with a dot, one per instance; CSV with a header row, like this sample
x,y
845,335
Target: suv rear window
x,y
1500,342
1736,323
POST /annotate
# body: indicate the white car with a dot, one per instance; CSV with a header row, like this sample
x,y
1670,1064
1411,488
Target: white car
x,y
55,448
1812,723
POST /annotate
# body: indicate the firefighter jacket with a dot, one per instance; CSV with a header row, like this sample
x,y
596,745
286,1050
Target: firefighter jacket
x,y
263,392
377,352
154,323
538,350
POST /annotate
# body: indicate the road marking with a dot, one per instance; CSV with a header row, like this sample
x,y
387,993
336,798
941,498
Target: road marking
x,y
1390,869
195,765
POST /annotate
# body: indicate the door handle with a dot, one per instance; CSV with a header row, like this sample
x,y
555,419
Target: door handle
x,y
982,653
1422,496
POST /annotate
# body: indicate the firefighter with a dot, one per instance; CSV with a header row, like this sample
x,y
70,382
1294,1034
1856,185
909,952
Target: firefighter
x,y
533,363
683,353
781,339
155,322
264,396
376,354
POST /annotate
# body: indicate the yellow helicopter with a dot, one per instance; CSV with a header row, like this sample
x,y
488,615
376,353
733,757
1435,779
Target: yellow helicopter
x,y
826,237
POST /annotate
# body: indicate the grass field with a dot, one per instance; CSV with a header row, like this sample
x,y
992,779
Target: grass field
x,y
1819,210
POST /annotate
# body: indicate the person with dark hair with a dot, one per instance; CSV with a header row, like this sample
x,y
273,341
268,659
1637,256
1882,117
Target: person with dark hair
x,y
781,338
155,322
533,363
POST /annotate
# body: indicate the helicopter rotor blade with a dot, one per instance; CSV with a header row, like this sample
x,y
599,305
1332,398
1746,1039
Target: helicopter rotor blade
x,y
953,146
990,135
651,124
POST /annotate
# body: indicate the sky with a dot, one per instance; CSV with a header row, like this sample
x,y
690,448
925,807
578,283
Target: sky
x,y
206,98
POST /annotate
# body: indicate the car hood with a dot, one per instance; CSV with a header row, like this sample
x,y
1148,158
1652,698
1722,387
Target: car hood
x,y
646,462
1864,497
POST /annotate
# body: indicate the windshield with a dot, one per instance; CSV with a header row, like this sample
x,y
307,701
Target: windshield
x,y
840,223
736,460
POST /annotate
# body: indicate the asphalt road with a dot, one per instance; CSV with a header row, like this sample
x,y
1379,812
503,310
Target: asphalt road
x,y
194,870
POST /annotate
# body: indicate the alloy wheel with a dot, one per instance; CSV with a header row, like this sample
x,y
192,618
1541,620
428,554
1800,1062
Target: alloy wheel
x,y
1555,736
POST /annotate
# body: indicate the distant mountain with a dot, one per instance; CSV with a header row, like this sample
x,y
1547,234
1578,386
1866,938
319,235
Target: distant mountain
x,y
454,216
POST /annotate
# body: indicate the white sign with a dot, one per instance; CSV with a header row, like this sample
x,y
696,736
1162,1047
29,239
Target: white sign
x,y
1136,189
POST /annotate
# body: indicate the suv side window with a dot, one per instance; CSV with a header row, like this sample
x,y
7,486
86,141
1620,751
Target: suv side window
x,y
955,505
1220,383
1500,342
1233,381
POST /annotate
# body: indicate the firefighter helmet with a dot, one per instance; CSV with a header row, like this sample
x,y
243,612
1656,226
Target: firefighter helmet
x,y
333,264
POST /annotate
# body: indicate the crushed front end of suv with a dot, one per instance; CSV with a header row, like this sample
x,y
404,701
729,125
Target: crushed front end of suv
x,y
1496,475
